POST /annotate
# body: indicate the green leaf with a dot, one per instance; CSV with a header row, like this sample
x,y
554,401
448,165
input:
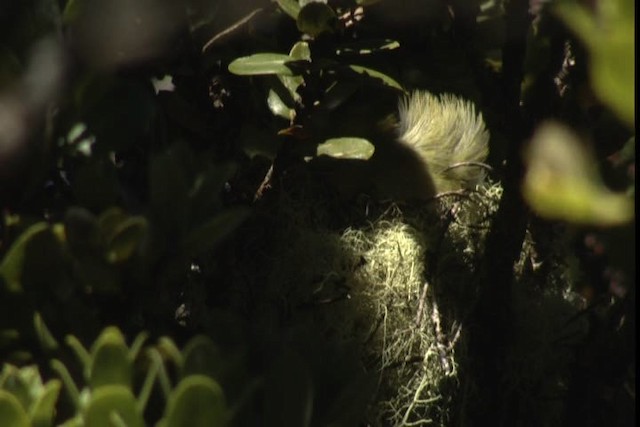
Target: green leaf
x,y
72,389
110,361
609,33
562,181
377,75
42,410
300,51
261,64
278,107
317,18
290,7
346,148
13,262
11,412
126,239
170,351
208,235
46,339
14,381
197,401
110,400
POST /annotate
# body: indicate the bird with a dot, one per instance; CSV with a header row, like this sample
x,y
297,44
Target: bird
x,y
433,143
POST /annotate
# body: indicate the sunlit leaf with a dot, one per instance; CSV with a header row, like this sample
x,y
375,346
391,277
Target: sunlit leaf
x,y
290,7
562,182
300,51
261,64
346,148
610,37
278,107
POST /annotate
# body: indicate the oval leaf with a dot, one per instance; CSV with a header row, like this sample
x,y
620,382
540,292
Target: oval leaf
x,y
300,51
278,107
261,64
316,18
197,401
112,401
346,148
110,362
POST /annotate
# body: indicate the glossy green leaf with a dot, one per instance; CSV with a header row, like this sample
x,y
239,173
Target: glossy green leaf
x,y
562,181
261,64
197,401
346,148
110,361
208,235
377,75
126,239
110,400
11,412
13,262
300,51
278,107
43,410
290,7
317,18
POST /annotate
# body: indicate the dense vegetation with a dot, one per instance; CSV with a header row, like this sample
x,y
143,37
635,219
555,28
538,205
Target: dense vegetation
x,y
187,237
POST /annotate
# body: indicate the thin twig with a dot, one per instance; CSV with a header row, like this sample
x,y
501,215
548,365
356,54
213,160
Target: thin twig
x,y
230,29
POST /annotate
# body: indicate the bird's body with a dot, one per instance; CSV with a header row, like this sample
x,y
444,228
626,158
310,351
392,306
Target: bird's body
x,y
433,145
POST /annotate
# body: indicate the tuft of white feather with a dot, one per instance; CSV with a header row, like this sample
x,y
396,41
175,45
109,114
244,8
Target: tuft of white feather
x,y
448,135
